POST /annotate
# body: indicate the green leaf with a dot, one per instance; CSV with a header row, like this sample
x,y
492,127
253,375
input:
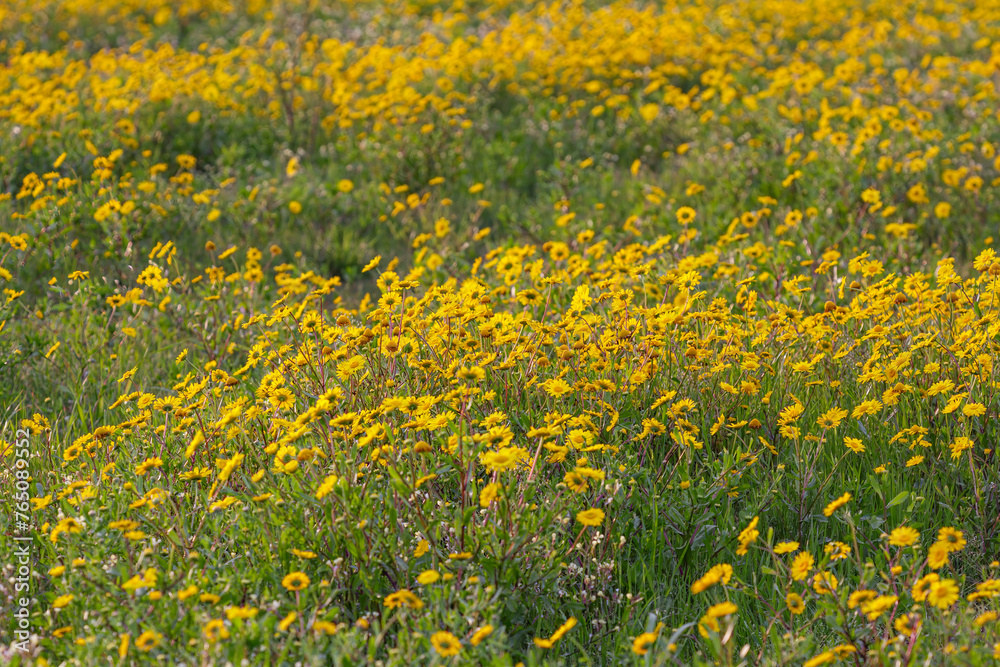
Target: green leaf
x,y
876,487
900,497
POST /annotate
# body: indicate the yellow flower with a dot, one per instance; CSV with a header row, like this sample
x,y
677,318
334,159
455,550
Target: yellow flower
x,y
423,546
556,387
722,609
479,635
987,589
922,586
428,577
215,630
325,627
940,387
148,640
446,644
641,644
903,536
831,418
942,593
824,582
836,504
62,601
471,374
350,367
907,624
576,482
802,565
563,629
795,603
649,111
984,618
876,607
937,555
954,539
866,408
837,550
442,227
287,621
854,444
722,572
401,598
147,465
326,487
821,659
503,459
747,537
706,624
187,592
67,525
860,597
841,651
685,215
974,409
591,517
557,635
241,613
295,581
488,494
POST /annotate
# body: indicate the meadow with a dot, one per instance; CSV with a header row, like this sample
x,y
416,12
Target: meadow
x,y
497,332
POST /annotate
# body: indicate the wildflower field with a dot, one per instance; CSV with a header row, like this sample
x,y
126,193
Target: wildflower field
x,y
489,332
